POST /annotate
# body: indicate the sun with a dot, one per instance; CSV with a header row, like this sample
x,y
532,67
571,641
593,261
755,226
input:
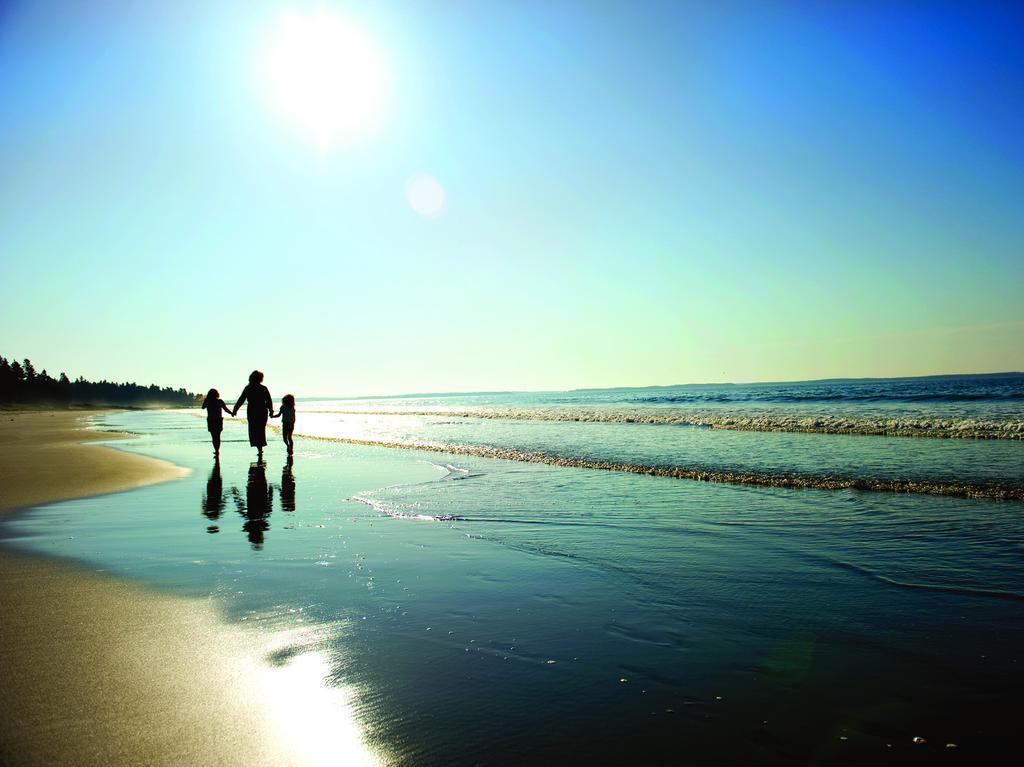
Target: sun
x,y
327,77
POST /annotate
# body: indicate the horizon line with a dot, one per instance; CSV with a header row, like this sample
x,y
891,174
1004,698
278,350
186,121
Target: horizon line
x,y
408,395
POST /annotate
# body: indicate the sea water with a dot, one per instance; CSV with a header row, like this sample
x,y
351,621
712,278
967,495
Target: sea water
x,y
497,611
816,434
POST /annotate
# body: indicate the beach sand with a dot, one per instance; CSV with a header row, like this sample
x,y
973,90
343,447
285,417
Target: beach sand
x,y
98,671
42,459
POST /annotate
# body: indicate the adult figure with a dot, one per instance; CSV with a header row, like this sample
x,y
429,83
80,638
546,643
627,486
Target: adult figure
x,y
259,406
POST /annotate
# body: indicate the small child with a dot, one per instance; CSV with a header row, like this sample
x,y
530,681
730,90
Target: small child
x,y
213,405
287,416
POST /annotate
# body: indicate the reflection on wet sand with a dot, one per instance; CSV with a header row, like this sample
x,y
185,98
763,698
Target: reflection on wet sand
x,y
288,485
214,501
259,502
255,506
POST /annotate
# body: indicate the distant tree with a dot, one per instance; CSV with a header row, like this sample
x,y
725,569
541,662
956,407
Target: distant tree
x,y
64,387
6,380
19,382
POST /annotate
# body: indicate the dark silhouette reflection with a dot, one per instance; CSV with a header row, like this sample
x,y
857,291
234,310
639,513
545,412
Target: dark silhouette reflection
x,y
288,485
258,503
255,505
214,501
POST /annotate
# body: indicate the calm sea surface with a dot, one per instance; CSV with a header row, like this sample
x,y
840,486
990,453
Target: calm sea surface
x,y
493,611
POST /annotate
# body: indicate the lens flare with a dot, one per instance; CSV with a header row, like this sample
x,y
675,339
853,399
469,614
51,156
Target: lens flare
x,y
426,195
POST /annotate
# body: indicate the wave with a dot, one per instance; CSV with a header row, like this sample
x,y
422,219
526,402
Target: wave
x,y
830,397
996,490
902,426
382,508
452,472
940,587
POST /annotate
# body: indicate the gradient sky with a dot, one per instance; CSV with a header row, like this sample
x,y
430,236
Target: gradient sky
x,y
637,193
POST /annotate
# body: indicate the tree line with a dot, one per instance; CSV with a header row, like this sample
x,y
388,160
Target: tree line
x,y
20,383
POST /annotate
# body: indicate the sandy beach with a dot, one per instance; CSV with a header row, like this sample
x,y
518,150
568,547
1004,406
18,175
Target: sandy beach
x,y
98,671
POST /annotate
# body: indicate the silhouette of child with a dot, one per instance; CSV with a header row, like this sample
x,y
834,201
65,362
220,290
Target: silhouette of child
x,y
287,416
213,405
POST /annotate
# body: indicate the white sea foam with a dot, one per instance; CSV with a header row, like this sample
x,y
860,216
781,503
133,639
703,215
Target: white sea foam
x,y
1000,490
898,426
393,511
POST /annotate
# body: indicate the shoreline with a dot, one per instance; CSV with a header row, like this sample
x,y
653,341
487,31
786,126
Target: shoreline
x,y
77,408
996,490
101,671
46,457
173,669
993,491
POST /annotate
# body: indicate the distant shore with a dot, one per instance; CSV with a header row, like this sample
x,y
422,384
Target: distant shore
x,y
98,671
79,407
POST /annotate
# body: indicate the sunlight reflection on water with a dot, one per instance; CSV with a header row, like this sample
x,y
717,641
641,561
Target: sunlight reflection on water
x,y
313,720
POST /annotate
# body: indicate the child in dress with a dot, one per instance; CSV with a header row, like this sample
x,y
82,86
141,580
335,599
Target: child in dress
x,y
287,416
213,405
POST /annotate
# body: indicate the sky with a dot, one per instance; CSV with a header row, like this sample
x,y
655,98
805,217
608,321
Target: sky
x,y
374,198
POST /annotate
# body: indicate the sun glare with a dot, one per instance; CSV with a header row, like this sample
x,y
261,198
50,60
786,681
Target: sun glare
x,y
327,77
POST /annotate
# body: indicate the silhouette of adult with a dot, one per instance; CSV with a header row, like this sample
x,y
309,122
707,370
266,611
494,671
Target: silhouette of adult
x,y
258,409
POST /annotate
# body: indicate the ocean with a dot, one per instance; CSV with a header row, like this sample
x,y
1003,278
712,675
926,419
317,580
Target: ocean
x,y
746,434
816,572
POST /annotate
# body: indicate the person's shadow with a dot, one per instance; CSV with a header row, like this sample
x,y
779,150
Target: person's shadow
x,y
214,502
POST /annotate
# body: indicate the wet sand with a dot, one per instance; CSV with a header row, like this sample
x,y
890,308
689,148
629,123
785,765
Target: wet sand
x,y
42,459
98,671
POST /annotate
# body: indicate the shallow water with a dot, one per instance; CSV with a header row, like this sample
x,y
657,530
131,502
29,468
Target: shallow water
x,y
863,435
705,621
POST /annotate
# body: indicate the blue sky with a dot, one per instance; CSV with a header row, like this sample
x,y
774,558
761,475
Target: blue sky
x,y
637,193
